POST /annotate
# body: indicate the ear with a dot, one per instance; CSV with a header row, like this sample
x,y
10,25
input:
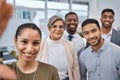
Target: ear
x,y
15,41
100,19
49,28
113,20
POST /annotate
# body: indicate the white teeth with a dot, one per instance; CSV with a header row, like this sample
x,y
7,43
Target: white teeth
x,y
72,26
107,23
28,54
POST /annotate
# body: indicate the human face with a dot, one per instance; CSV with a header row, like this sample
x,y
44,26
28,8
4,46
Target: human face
x,y
56,30
71,23
107,19
28,44
92,34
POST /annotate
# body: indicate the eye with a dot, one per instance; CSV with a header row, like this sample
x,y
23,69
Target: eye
x,y
75,20
54,26
24,42
69,20
104,16
111,17
94,30
36,43
61,26
85,33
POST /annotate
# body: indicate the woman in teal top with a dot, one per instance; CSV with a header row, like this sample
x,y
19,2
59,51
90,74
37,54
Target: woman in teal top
x,y
27,41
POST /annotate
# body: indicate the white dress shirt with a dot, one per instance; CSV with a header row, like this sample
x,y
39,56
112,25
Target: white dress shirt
x,y
77,41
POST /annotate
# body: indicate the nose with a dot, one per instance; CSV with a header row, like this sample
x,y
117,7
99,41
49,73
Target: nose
x,y
107,18
30,48
72,21
91,35
58,28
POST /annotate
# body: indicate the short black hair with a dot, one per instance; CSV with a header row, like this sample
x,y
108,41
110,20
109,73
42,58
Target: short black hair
x,y
70,13
90,20
108,10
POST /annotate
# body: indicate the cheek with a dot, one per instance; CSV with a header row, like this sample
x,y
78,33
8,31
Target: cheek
x,y
37,49
85,36
20,47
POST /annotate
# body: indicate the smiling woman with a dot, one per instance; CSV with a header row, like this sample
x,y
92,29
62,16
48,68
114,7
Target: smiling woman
x,y
59,52
27,41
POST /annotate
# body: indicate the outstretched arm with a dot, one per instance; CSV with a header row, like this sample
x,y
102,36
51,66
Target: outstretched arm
x,y
5,14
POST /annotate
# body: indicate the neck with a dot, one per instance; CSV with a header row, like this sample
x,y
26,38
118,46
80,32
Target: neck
x,y
98,46
71,33
27,67
105,30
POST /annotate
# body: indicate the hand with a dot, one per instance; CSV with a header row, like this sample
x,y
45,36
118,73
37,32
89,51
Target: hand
x,y
7,73
5,14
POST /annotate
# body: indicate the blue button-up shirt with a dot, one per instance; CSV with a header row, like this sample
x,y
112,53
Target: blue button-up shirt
x,y
101,65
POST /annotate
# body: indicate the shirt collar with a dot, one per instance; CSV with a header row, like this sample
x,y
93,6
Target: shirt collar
x,y
110,33
66,33
103,47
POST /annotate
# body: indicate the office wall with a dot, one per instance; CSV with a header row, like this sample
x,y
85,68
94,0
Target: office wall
x,y
96,6
7,39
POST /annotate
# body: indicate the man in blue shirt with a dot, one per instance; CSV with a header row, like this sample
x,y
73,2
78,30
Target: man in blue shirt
x,y
101,60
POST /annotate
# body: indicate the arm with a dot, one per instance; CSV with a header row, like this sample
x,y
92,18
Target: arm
x,y
6,73
83,70
55,75
5,14
76,73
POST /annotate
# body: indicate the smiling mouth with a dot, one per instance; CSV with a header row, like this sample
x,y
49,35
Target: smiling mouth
x,y
107,23
72,26
28,54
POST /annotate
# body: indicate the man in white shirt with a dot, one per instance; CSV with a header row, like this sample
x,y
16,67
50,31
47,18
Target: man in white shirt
x,y
71,23
108,32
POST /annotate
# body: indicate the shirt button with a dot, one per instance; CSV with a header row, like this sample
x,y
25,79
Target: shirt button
x,y
98,56
98,65
98,74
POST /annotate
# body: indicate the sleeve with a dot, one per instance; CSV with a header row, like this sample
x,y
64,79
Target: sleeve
x,y
83,70
55,75
76,73
118,62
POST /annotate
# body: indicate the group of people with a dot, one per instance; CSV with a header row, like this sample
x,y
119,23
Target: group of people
x,y
62,55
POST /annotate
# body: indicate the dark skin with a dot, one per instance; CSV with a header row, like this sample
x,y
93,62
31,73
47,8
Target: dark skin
x,y
71,23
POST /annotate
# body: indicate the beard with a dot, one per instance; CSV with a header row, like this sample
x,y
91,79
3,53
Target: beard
x,y
97,42
107,24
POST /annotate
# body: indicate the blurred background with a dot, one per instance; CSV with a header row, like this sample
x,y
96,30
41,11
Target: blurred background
x,y
39,11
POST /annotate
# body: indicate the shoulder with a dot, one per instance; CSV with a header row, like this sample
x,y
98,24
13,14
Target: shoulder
x,y
66,41
113,46
13,65
47,67
85,52
116,31
78,36
110,44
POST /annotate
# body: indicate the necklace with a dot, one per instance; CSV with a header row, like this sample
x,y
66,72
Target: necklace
x,y
19,77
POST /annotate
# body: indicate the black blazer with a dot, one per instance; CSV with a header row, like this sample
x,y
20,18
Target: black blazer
x,y
115,37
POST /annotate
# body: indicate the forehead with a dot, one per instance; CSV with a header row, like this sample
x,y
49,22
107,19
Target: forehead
x,y
71,16
89,27
29,32
58,22
107,13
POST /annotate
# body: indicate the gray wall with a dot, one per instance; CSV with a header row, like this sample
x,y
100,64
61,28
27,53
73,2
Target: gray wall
x,y
96,6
